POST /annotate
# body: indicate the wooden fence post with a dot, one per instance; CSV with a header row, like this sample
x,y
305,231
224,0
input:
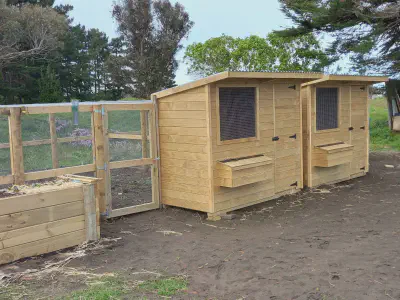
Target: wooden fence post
x,y
154,152
89,199
16,149
98,138
143,128
53,137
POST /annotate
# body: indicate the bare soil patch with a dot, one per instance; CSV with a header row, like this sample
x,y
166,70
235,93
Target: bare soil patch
x,y
335,242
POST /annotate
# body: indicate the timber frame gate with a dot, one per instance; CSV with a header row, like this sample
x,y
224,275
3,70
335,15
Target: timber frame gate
x,y
100,137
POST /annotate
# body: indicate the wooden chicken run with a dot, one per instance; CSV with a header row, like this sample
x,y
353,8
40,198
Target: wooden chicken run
x,y
239,138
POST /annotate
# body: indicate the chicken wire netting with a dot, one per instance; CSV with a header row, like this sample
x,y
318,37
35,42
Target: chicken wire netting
x,y
237,112
327,108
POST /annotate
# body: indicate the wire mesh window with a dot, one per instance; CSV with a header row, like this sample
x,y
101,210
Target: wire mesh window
x,y
237,112
327,108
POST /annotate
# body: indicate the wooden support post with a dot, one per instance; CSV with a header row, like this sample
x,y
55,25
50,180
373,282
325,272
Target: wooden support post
x,y
16,148
98,137
154,152
89,199
143,129
53,138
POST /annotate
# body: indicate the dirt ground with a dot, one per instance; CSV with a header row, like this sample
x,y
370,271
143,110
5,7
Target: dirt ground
x,y
337,242
130,186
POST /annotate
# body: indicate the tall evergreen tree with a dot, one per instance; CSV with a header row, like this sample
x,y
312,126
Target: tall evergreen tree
x,y
153,31
368,31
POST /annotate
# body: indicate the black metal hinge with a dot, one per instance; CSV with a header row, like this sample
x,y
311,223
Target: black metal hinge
x,y
362,127
351,128
363,168
275,138
294,184
362,88
293,136
293,87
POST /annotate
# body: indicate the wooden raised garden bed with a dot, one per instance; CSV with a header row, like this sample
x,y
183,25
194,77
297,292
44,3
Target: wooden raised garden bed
x,y
48,217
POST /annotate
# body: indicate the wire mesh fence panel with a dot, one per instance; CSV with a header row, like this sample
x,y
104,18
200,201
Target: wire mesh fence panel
x,y
131,186
35,127
37,158
66,127
123,149
77,152
124,121
5,162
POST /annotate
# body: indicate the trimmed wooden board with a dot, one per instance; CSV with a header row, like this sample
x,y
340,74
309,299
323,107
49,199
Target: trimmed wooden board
x,y
35,201
42,231
42,215
42,246
58,172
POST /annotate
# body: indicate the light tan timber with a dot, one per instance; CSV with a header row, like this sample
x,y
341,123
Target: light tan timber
x,y
154,153
6,179
42,246
16,149
58,196
131,163
40,215
99,147
53,137
124,135
89,200
143,129
42,231
49,141
58,172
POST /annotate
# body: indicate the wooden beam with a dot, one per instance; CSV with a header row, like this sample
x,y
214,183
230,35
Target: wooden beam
x,y
9,179
58,172
131,163
133,210
124,135
143,129
48,142
154,152
128,106
89,199
98,132
16,149
53,140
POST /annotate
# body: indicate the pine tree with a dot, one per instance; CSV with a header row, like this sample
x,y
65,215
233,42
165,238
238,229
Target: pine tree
x,y
50,88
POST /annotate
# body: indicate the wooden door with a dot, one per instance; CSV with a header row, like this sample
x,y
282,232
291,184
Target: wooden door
x,y
359,130
287,136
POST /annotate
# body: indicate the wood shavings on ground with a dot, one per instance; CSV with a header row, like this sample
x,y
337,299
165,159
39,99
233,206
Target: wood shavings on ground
x,y
170,232
58,264
41,187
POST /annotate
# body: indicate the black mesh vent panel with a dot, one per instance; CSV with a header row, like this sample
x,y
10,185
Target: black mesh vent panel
x,y
237,111
327,108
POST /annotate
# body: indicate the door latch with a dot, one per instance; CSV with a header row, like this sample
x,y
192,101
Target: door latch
x,y
294,136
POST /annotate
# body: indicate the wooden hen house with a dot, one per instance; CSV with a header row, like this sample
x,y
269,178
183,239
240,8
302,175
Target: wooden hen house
x,y
236,139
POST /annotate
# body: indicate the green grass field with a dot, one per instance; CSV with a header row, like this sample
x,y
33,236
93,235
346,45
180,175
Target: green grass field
x,y
36,127
382,139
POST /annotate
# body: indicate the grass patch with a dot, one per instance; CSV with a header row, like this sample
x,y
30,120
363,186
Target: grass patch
x,y
165,287
381,138
105,289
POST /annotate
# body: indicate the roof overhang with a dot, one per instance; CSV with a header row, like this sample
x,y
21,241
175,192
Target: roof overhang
x,y
313,78
237,75
348,78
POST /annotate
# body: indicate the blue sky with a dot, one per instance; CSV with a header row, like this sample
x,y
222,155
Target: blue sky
x,y
212,18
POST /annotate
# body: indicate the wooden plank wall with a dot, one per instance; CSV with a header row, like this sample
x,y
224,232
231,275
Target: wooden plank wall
x,y
45,222
288,121
183,150
350,115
